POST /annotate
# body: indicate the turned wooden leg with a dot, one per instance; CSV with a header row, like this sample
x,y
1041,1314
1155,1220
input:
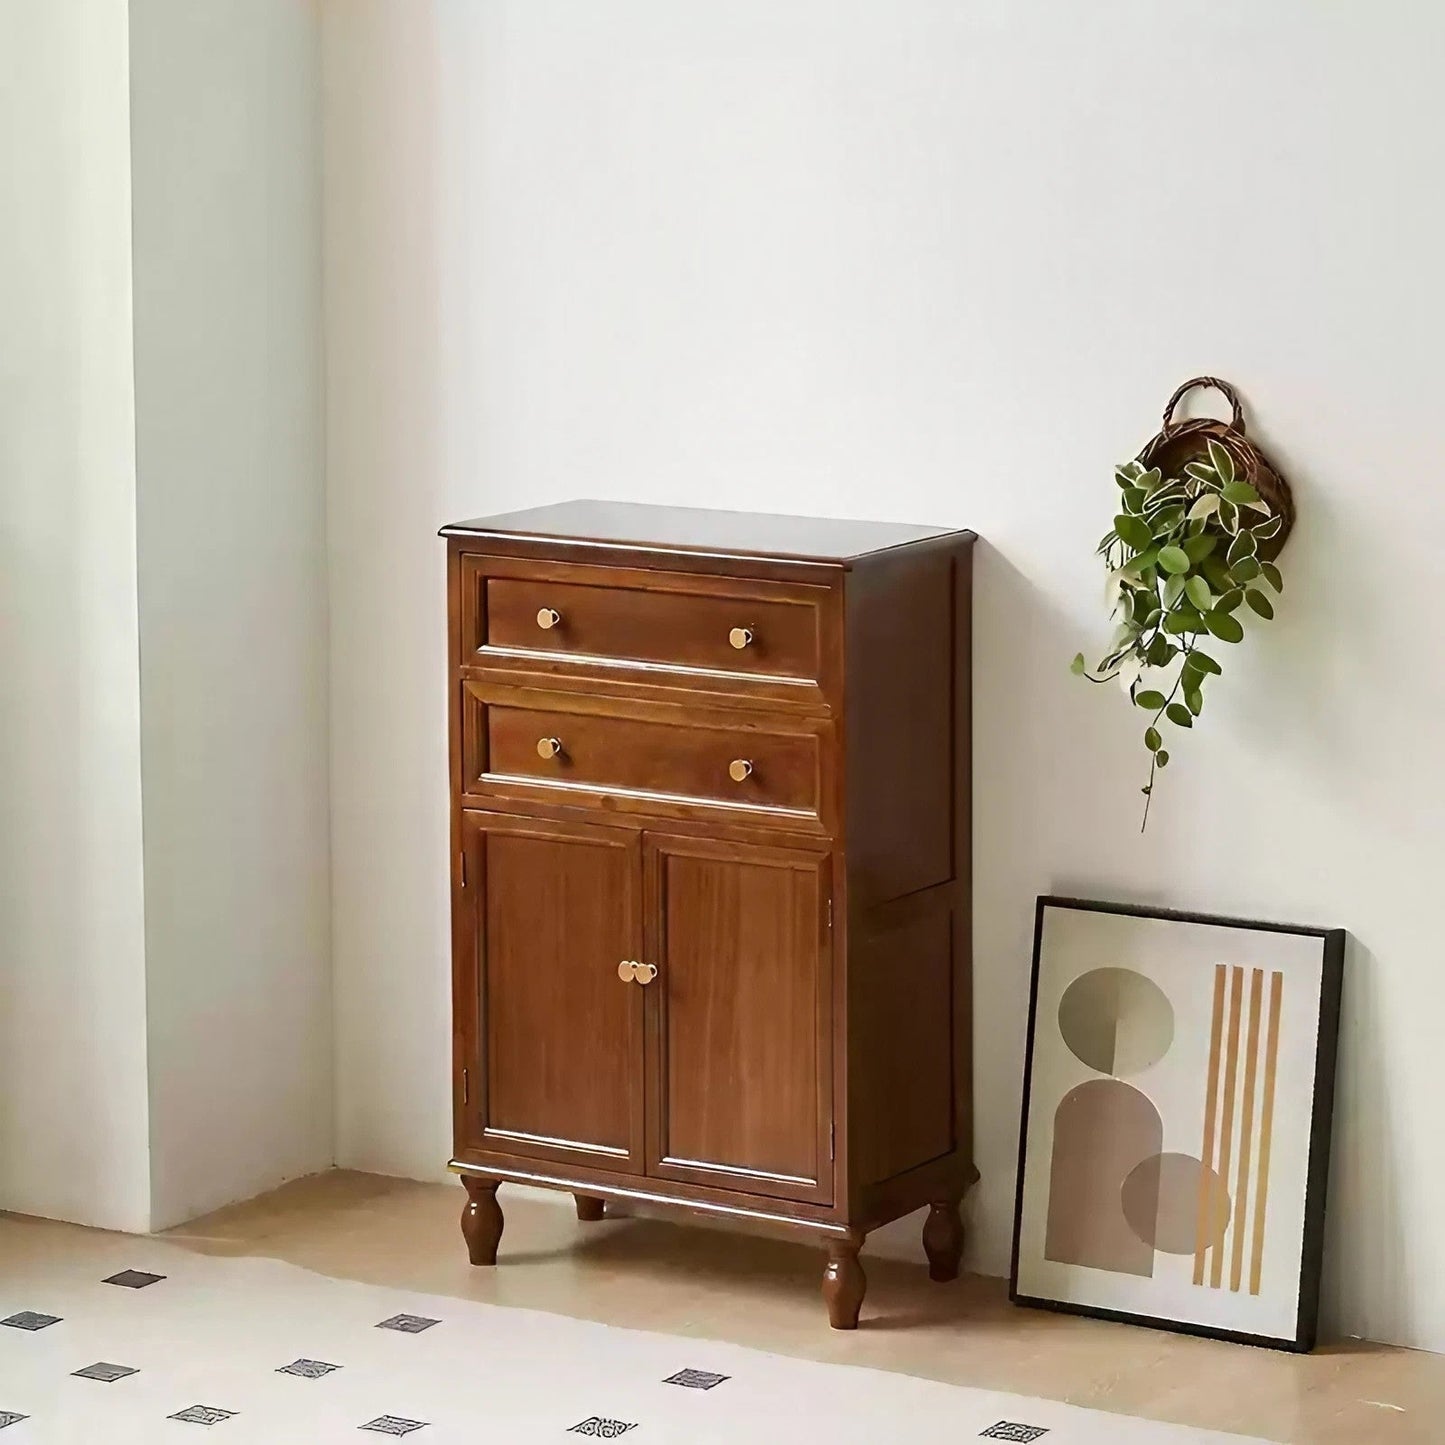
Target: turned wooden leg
x,y
589,1208
844,1282
943,1239
482,1219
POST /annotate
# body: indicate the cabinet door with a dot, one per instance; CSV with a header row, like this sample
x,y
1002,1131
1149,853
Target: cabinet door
x,y
550,1037
739,1017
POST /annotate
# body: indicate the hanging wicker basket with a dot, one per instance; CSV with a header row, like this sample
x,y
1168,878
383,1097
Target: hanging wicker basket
x,y
1179,442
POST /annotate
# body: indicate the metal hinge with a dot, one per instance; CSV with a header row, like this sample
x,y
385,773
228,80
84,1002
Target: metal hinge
x,y
466,1088
832,1141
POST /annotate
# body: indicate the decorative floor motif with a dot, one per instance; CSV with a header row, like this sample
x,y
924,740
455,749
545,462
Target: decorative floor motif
x,y
213,1329
307,1369
695,1379
408,1324
203,1415
134,1279
101,1371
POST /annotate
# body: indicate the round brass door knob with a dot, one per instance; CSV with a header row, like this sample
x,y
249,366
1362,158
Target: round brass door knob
x,y
740,770
741,637
624,970
644,973
549,747
548,617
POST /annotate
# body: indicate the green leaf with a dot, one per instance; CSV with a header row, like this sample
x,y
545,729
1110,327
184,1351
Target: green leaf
x,y
1230,600
1202,472
1224,626
1271,575
1179,623
1127,473
1161,652
1152,740
1194,700
1150,700
1204,507
1174,559
1241,494
1078,665
1134,531
1199,593
1259,602
1180,715
1173,589
1162,758
1246,570
1268,529
1134,499
1243,545
1202,662
1150,479
1166,520
1199,547
1222,462
1217,573
1229,515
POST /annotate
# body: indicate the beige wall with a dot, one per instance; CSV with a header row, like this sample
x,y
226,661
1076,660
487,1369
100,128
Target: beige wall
x,y
936,261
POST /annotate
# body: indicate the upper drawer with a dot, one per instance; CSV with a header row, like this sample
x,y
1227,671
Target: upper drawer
x,y
587,750
741,629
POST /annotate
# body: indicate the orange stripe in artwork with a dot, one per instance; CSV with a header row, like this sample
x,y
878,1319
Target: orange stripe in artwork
x,y
1211,1106
1246,1129
1266,1128
1231,1070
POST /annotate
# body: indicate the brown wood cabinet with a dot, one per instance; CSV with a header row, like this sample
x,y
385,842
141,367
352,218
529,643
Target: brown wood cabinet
x,y
711,836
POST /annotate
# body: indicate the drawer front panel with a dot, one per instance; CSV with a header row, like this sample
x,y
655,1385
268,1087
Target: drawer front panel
x,y
722,626
732,764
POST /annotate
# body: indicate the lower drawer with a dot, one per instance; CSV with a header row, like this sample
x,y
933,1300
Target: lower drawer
x,y
574,744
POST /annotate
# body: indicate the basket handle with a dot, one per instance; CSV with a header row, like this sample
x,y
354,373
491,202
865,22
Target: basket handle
x,y
1223,387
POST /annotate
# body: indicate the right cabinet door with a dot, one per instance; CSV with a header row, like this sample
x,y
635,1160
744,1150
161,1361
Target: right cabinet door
x,y
739,1030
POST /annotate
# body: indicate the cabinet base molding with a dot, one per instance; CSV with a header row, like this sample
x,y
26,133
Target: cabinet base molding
x,y
602,1192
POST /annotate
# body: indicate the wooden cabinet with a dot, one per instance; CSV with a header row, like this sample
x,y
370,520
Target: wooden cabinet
x,y
711,870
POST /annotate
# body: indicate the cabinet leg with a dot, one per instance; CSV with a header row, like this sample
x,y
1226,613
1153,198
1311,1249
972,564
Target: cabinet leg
x,y
943,1240
589,1208
844,1282
482,1219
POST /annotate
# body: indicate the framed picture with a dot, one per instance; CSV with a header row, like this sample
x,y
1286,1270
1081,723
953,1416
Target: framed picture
x,y
1175,1140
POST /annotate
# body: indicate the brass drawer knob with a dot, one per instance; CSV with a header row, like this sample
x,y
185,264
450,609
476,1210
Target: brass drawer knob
x,y
549,747
630,971
624,970
548,617
740,770
741,637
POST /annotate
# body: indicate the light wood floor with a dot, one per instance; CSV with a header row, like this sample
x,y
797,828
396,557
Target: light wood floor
x,y
690,1279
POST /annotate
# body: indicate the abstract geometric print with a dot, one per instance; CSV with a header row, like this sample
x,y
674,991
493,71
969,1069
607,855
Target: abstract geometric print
x,y
1230,1123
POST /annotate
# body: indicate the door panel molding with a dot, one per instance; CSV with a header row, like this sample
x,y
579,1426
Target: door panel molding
x,y
494,1057
741,1009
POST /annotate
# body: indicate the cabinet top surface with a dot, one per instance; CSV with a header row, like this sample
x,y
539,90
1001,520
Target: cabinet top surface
x,y
697,529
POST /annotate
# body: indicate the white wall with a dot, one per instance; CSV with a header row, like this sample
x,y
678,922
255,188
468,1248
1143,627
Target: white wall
x,y
939,260
73,1116
225,145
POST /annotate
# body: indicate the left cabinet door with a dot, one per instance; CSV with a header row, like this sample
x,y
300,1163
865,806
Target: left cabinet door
x,y
548,1037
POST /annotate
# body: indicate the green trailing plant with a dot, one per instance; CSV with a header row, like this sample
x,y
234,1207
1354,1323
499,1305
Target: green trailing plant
x,y
1186,559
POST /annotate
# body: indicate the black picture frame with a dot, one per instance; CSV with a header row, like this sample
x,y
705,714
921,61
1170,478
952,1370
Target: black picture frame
x,y
1332,963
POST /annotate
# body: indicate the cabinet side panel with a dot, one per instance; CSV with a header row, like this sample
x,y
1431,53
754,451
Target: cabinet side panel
x,y
898,698
902,1046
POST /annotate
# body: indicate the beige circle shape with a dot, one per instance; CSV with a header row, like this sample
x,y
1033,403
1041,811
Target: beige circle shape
x,y
1176,1203
1116,1021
